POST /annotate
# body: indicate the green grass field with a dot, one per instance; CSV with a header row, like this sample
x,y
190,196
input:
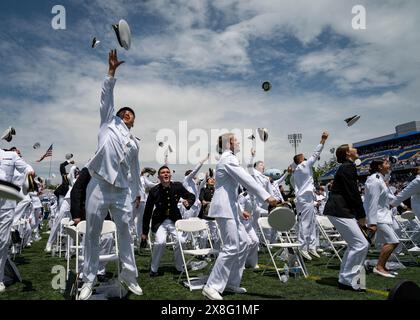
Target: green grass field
x,y
35,267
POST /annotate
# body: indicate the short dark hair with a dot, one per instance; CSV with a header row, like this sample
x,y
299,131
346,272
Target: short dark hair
x,y
162,168
120,113
296,158
341,153
374,165
258,163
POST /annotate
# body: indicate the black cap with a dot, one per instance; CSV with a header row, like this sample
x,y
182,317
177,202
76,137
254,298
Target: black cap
x,y
126,109
266,86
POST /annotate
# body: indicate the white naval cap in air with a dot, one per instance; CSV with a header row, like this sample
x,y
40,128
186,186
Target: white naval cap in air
x,y
8,134
351,121
95,43
123,32
263,133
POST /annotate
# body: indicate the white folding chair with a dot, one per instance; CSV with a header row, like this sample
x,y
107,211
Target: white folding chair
x,y
61,234
193,227
406,221
282,222
76,233
332,237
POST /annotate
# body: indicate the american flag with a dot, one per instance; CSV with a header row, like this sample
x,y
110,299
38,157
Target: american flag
x,y
47,154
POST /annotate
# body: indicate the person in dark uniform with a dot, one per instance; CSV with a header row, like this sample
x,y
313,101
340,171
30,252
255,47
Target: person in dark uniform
x,y
63,188
344,209
162,209
206,194
78,196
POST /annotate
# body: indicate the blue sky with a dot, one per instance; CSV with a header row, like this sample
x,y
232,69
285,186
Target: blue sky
x,y
203,62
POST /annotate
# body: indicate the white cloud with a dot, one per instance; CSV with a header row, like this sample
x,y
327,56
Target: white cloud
x,y
204,40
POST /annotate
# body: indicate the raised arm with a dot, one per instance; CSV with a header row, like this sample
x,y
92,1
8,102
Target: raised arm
x,y
311,161
278,182
107,95
197,168
409,191
250,165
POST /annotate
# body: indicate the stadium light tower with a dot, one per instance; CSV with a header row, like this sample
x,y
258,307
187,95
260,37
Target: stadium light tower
x,y
295,139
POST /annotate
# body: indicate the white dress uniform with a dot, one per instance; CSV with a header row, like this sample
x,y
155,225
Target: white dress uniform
x,y
138,213
413,191
276,187
245,204
191,186
378,212
9,161
260,207
64,212
229,266
108,189
304,189
322,200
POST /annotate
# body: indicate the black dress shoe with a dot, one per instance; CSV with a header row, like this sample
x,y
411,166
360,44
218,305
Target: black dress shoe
x,y
350,288
155,274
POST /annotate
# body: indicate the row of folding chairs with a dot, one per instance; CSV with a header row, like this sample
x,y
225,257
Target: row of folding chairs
x,y
75,242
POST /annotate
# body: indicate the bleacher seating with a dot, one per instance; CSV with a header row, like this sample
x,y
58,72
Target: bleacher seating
x,y
408,157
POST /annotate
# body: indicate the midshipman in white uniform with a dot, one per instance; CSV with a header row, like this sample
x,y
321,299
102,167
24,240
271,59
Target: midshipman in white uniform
x,y
190,184
108,189
379,214
227,272
304,190
9,161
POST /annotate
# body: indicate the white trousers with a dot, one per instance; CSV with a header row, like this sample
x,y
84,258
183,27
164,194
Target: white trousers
x,y
357,248
63,213
138,214
253,244
306,222
22,209
6,221
106,243
214,236
165,229
230,264
101,197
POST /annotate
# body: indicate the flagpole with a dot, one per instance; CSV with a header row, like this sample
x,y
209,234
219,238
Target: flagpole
x,y
49,174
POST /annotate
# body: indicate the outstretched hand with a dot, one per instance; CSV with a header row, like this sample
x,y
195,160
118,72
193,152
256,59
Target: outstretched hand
x,y
113,63
324,137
